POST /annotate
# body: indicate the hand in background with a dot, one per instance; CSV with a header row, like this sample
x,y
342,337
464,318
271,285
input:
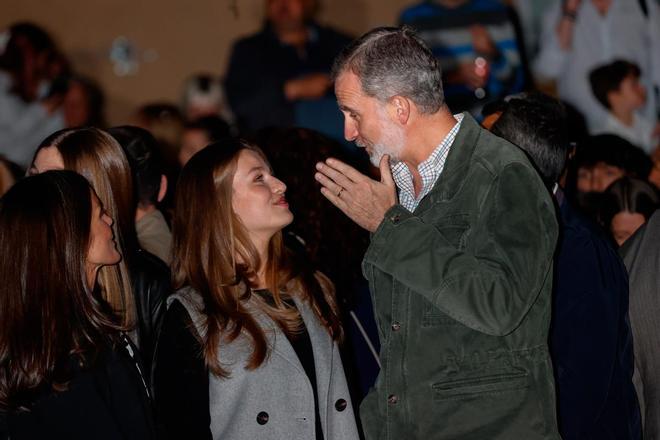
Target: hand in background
x,y
311,86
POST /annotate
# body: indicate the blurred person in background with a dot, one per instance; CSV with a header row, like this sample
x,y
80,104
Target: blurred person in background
x,y
580,35
165,122
479,46
590,337
99,158
616,86
141,148
284,65
84,103
199,133
29,67
627,205
67,369
203,95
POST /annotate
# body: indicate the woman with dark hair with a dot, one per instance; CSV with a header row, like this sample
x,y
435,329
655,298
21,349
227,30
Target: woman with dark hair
x,y
627,204
98,157
66,368
266,330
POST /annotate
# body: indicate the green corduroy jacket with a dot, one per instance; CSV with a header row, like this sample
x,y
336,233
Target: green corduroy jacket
x,y
462,295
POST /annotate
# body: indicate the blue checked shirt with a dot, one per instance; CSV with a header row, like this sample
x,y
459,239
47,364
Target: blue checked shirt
x,y
430,170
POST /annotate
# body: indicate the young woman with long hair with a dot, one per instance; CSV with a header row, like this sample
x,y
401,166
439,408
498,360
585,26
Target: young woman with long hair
x,y
67,370
98,157
249,343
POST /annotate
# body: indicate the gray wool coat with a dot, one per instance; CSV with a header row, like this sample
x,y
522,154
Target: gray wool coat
x,y
276,400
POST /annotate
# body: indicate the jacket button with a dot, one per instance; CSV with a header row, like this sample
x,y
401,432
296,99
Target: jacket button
x,y
396,326
395,218
341,405
392,399
262,418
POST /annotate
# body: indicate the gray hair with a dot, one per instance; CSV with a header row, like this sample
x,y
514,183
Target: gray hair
x,y
393,61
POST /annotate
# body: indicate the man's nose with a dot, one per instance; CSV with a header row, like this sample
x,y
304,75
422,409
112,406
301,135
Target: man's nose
x,y
350,130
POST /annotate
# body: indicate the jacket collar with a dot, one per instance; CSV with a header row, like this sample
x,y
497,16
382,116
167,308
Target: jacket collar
x,y
458,161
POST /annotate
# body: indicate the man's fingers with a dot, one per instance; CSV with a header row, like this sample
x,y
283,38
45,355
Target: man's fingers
x,y
336,176
346,170
385,171
337,201
330,185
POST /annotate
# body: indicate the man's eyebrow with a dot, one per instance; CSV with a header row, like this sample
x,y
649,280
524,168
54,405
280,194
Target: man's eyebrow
x,y
346,108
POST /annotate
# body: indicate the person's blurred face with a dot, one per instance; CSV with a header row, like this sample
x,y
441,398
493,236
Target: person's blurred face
x,y
47,159
597,178
630,96
75,106
102,247
286,14
366,121
258,198
624,224
191,142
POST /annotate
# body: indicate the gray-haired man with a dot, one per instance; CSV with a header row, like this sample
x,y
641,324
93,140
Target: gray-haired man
x,y
460,259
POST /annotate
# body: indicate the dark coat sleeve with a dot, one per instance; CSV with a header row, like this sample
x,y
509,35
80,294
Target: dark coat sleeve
x,y
181,385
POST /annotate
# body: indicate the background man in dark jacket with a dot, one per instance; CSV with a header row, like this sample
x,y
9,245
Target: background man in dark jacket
x,y
460,263
590,337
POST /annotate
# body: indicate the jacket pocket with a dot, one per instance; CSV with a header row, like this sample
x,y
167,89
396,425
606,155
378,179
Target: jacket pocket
x,y
455,228
483,385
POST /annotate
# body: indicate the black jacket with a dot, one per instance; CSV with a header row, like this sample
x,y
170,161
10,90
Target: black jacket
x,y
150,279
107,401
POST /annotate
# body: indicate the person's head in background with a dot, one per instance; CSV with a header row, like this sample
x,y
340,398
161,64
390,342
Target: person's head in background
x,y
84,103
203,95
616,86
32,61
627,204
289,15
165,123
141,149
602,159
151,185
200,133
536,123
98,157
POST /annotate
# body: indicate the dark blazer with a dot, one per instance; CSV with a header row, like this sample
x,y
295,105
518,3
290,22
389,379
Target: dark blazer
x,y
590,337
106,402
641,254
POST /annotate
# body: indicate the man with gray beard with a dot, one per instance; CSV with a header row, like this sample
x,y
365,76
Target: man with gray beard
x,y
460,260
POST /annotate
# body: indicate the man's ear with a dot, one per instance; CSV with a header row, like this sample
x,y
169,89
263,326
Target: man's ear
x,y
163,187
401,107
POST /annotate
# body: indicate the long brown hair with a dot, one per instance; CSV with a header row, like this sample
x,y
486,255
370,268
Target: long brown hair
x,y
214,255
98,157
47,311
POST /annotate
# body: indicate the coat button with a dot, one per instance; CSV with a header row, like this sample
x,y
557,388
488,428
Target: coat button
x,y
395,218
262,418
341,405
392,399
396,326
